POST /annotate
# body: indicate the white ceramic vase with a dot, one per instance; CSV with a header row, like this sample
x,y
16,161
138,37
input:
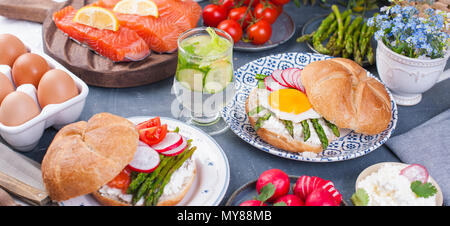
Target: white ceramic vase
x,y
408,78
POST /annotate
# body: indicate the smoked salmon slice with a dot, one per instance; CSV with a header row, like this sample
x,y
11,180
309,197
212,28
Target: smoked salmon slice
x,y
160,34
121,45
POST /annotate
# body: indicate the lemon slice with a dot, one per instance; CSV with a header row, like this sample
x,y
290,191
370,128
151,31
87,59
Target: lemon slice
x,y
97,17
137,7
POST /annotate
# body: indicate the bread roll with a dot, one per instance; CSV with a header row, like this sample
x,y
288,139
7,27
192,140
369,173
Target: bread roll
x,y
340,90
84,156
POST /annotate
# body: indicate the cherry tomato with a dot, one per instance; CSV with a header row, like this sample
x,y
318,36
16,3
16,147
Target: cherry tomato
x,y
233,28
266,11
214,14
121,181
227,4
153,135
281,2
254,3
260,32
237,14
278,178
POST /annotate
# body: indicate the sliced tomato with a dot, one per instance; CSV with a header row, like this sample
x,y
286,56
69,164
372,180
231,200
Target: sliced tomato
x,y
153,135
121,181
149,123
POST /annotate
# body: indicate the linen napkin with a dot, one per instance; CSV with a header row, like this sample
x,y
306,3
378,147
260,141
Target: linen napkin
x,y
428,145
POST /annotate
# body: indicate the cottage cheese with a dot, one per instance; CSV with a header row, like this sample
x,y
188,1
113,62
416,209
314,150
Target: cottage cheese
x,y
387,187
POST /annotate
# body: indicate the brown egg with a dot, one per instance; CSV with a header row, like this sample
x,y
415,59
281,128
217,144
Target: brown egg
x,y
56,86
29,68
10,48
17,108
6,86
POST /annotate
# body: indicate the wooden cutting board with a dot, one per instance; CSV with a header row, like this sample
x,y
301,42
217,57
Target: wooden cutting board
x,y
92,68
21,177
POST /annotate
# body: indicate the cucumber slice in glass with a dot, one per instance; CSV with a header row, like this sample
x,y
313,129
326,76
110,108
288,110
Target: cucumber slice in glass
x,y
218,77
191,79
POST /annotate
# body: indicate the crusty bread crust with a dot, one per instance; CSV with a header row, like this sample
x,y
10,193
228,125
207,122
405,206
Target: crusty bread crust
x,y
279,140
84,156
340,90
171,201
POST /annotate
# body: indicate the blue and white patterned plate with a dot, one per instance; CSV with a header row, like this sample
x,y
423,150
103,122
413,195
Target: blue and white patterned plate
x,y
350,146
213,171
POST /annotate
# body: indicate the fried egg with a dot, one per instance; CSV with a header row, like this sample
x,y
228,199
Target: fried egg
x,y
288,104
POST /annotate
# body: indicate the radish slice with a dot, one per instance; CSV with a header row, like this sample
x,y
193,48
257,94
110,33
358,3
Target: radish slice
x,y
276,75
272,85
297,81
145,160
178,150
287,76
171,141
329,186
415,172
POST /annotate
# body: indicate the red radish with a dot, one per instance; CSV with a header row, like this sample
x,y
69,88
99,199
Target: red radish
x,y
306,184
415,172
252,203
329,186
272,85
288,76
290,200
320,197
171,141
278,178
276,75
178,150
297,80
145,159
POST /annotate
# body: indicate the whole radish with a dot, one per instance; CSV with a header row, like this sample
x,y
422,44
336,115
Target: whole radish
x,y
290,200
278,178
320,197
253,203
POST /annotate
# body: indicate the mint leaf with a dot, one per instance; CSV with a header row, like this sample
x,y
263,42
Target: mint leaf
x,y
424,190
280,204
360,198
266,192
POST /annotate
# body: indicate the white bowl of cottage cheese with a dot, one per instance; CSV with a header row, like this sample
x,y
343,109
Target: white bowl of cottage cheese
x,y
387,184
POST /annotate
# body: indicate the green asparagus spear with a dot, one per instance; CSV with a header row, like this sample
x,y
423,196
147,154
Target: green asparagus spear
x,y
331,41
370,56
329,32
134,185
356,52
289,126
333,128
337,14
317,43
306,131
256,110
320,133
305,37
260,120
260,76
149,180
261,84
169,174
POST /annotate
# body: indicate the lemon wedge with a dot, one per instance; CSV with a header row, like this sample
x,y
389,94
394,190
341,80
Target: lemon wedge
x,y
137,7
97,17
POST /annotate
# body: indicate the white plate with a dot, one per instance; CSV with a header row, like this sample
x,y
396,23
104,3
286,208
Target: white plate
x,y
213,170
347,147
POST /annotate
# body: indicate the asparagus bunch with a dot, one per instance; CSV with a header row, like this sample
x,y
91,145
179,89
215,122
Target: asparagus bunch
x,y
347,37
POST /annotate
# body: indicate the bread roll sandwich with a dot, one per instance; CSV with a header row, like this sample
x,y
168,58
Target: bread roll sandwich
x,y
305,110
96,157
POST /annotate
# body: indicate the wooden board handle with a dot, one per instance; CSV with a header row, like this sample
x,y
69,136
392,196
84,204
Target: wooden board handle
x,y
31,10
28,193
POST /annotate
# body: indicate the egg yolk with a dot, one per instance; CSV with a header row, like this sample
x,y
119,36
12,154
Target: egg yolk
x,y
289,100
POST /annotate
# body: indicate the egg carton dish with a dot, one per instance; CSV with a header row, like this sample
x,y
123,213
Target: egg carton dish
x,y
26,136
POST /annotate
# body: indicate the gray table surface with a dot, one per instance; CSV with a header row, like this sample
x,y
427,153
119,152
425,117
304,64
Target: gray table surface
x,y
247,162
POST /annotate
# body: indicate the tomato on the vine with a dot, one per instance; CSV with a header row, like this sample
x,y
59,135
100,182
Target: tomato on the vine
x,y
281,2
237,14
254,3
260,32
227,4
214,14
266,11
233,28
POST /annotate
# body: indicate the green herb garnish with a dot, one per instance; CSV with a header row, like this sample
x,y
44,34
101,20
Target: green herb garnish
x,y
360,198
424,190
